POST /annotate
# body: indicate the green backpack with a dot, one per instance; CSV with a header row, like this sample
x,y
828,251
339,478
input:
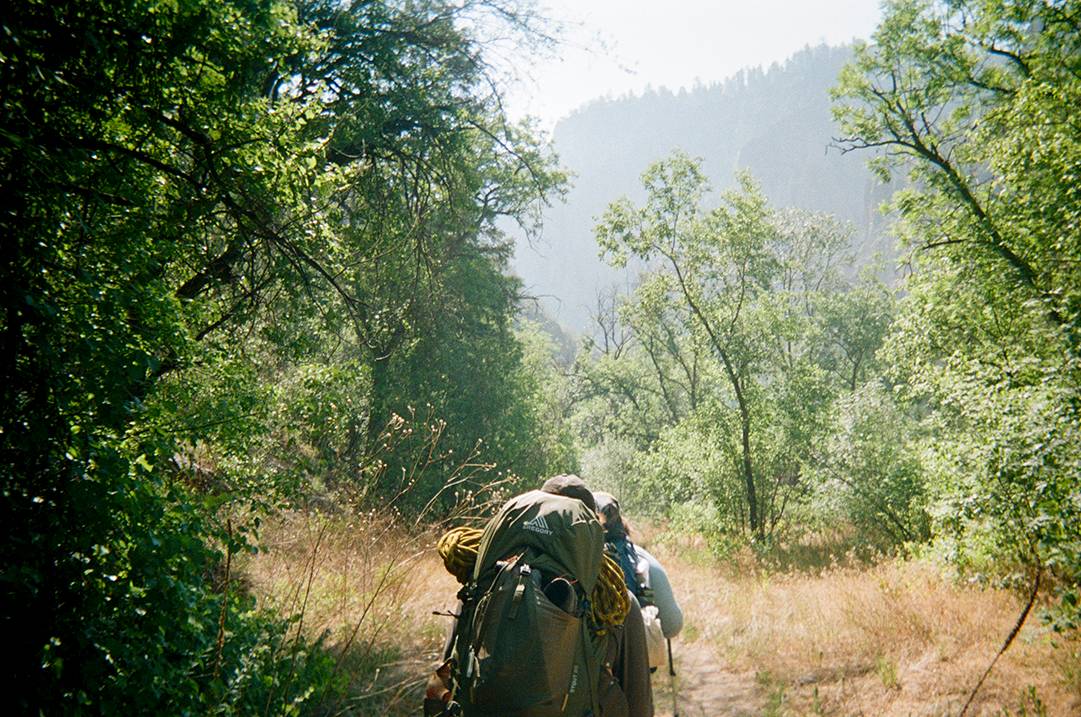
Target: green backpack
x,y
523,647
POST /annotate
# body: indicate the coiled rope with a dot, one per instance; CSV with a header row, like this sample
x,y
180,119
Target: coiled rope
x,y
609,603
459,547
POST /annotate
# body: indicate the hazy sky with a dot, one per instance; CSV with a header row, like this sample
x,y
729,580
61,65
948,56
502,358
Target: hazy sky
x,y
619,46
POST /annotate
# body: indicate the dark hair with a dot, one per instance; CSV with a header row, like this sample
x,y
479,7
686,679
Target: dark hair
x,y
615,527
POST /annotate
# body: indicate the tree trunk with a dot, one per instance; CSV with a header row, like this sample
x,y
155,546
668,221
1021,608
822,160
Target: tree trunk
x,y
748,472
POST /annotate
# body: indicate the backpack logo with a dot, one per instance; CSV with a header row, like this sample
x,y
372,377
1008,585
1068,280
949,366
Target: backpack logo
x,y
537,525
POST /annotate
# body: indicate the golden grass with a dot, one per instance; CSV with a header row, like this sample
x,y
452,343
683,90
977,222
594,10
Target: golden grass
x,y
368,588
896,639
891,639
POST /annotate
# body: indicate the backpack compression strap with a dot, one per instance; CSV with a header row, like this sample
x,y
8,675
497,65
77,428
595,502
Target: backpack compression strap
x,y
591,668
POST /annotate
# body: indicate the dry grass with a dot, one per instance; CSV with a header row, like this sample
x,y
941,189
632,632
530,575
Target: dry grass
x,y
896,638
892,639
368,588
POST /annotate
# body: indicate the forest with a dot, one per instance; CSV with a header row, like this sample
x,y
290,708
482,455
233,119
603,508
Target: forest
x,y
262,345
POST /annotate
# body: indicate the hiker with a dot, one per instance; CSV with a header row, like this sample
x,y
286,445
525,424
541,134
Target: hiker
x,y
545,625
644,577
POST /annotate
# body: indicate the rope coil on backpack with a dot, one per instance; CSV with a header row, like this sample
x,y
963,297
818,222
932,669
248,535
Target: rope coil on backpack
x,y
459,548
609,603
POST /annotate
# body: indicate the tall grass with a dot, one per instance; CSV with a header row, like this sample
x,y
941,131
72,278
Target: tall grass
x,y
362,577
896,637
364,584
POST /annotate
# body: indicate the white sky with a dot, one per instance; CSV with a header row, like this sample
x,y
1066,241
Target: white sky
x,y
613,47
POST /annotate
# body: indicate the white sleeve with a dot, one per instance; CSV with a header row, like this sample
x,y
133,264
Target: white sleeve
x,y
667,608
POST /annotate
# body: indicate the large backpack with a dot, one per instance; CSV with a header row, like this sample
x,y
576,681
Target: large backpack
x,y
523,646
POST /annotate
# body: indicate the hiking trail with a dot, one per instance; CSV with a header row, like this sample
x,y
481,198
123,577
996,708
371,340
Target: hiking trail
x,y
705,687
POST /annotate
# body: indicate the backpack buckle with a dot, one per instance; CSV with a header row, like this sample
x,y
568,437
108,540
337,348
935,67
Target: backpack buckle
x,y
524,574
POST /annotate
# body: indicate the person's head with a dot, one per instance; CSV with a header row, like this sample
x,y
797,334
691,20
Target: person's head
x,y
615,527
570,486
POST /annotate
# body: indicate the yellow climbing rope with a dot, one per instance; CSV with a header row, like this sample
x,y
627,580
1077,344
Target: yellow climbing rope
x,y
609,602
458,547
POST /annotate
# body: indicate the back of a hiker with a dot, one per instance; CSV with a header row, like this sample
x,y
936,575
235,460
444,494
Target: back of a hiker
x,y
538,607
644,577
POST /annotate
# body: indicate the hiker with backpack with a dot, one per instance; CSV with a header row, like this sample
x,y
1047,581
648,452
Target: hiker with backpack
x,y
644,577
545,624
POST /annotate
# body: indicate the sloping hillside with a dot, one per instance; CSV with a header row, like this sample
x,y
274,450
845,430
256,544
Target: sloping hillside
x,y
775,123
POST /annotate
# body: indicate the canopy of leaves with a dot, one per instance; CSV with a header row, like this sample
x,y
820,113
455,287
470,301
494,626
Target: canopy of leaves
x,y
222,220
977,103
722,366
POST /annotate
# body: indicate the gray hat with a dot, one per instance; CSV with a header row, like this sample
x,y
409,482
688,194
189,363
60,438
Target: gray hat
x,y
571,486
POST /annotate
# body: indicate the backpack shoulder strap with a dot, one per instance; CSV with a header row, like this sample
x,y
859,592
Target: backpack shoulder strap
x,y
592,671
624,553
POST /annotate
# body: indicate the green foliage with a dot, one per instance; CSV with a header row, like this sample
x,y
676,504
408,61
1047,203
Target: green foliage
x,y
1030,704
693,460
976,103
715,263
886,669
545,392
722,367
869,470
223,219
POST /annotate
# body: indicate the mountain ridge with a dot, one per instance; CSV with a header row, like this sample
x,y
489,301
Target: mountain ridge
x,y
775,123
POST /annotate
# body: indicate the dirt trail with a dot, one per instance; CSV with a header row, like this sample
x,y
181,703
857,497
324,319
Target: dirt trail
x,y
707,685
704,687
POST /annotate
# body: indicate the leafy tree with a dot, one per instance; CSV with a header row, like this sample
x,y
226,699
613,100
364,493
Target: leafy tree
x,y
719,263
976,103
471,366
546,394
869,470
640,372
219,216
853,323
739,337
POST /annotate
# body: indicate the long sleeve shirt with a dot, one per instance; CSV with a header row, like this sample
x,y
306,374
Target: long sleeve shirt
x,y
668,609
